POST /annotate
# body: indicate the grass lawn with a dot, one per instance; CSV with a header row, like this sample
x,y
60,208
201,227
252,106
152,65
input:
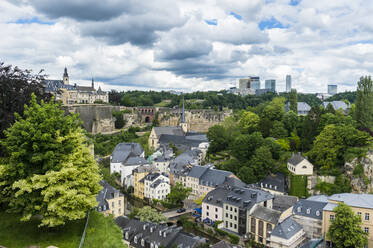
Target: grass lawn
x,y
101,232
298,186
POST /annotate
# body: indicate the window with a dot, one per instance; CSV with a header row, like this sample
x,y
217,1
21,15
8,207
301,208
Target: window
x,y
359,213
207,213
331,217
269,229
216,209
226,224
261,227
226,215
230,224
207,207
253,222
235,226
366,229
119,211
226,207
366,216
265,203
231,217
231,209
235,217
119,202
235,210
112,204
216,216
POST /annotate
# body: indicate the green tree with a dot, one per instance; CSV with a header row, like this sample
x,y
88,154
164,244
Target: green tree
x,y
219,139
293,100
49,170
119,121
291,120
274,109
178,194
244,145
148,213
278,130
249,122
345,230
364,103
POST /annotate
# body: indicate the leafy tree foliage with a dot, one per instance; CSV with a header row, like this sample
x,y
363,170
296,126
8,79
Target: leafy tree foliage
x,y
345,230
219,138
278,130
178,194
49,170
291,121
16,87
249,121
364,104
148,213
293,101
119,121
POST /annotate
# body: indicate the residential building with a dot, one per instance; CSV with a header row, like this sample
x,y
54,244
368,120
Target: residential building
x,y
288,83
287,233
124,159
308,213
162,163
299,165
232,204
361,204
69,93
303,108
270,84
181,166
139,173
139,234
156,186
224,244
110,200
274,183
338,105
332,89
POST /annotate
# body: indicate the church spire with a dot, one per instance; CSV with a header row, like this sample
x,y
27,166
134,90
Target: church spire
x,y
93,83
183,113
65,73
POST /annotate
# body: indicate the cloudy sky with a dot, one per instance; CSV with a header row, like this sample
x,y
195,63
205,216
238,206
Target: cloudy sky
x,y
193,44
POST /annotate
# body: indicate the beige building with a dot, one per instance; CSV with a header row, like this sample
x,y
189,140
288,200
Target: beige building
x,y
110,200
299,165
69,93
139,173
361,204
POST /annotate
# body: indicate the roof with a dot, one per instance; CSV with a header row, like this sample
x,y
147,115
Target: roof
x,y
237,196
319,198
178,140
337,105
152,176
208,176
55,85
302,107
354,200
296,159
125,150
168,130
275,182
108,192
309,208
156,234
85,88
136,161
283,202
286,229
224,244
267,214
157,182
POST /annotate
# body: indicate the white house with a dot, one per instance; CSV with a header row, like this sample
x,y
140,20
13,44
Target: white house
x,y
299,165
125,158
156,186
162,164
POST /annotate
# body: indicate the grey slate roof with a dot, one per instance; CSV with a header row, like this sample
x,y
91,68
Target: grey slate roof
x,y
224,244
208,176
354,200
181,161
179,141
136,161
267,214
309,208
125,150
319,198
296,159
286,229
237,196
106,193
56,85
336,105
168,130
302,107
283,202
156,234
274,182
156,183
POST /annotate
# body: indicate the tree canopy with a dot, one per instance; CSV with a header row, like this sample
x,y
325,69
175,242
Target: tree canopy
x,y
345,230
148,213
364,104
48,170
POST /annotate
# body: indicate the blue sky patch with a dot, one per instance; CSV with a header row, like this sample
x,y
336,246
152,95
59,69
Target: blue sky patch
x,y
33,20
294,2
237,16
270,23
212,22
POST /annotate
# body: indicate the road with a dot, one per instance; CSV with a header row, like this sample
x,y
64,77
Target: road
x,y
173,213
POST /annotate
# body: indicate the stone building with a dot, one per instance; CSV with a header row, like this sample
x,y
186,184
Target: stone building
x,y
69,93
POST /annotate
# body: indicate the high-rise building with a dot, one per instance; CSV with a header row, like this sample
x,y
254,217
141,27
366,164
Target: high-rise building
x,y
255,83
244,83
288,83
270,84
332,89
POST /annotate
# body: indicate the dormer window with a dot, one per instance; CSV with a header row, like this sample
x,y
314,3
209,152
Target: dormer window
x,y
299,209
142,242
127,235
135,240
308,211
317,213
151,245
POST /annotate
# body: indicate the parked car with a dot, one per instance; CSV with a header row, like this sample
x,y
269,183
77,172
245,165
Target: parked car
x,y
180,210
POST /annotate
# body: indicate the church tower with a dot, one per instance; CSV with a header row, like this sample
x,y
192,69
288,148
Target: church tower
x,y
93,84
65,77
183,123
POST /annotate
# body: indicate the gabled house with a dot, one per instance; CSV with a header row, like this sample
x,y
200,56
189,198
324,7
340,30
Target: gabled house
x,y
275,184
287,233
156,186
303,108
338,105
139,234
138,174
110,200
299,165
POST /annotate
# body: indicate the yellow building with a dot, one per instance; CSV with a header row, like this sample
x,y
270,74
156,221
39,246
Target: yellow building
x,y
110,200
361,204
138,174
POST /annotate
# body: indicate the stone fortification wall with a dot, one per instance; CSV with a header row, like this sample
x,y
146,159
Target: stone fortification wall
x,y
361,184
96,118
198,120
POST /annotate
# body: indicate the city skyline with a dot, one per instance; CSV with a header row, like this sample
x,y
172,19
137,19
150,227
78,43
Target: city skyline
x,y
178,45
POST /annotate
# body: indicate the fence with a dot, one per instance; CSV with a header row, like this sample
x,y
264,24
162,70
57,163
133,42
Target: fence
x,y
84,232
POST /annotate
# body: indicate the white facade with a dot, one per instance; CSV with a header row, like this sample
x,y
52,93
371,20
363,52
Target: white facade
x,y
293,242
304,168
214,213
157,191
162,166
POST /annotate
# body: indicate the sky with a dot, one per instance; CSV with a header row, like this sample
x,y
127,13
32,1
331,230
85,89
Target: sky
x,y
193,44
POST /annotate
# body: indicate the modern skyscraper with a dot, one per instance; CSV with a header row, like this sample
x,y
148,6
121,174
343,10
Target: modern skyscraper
x,y
332,89
255,83
270,84
244,83
288,83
